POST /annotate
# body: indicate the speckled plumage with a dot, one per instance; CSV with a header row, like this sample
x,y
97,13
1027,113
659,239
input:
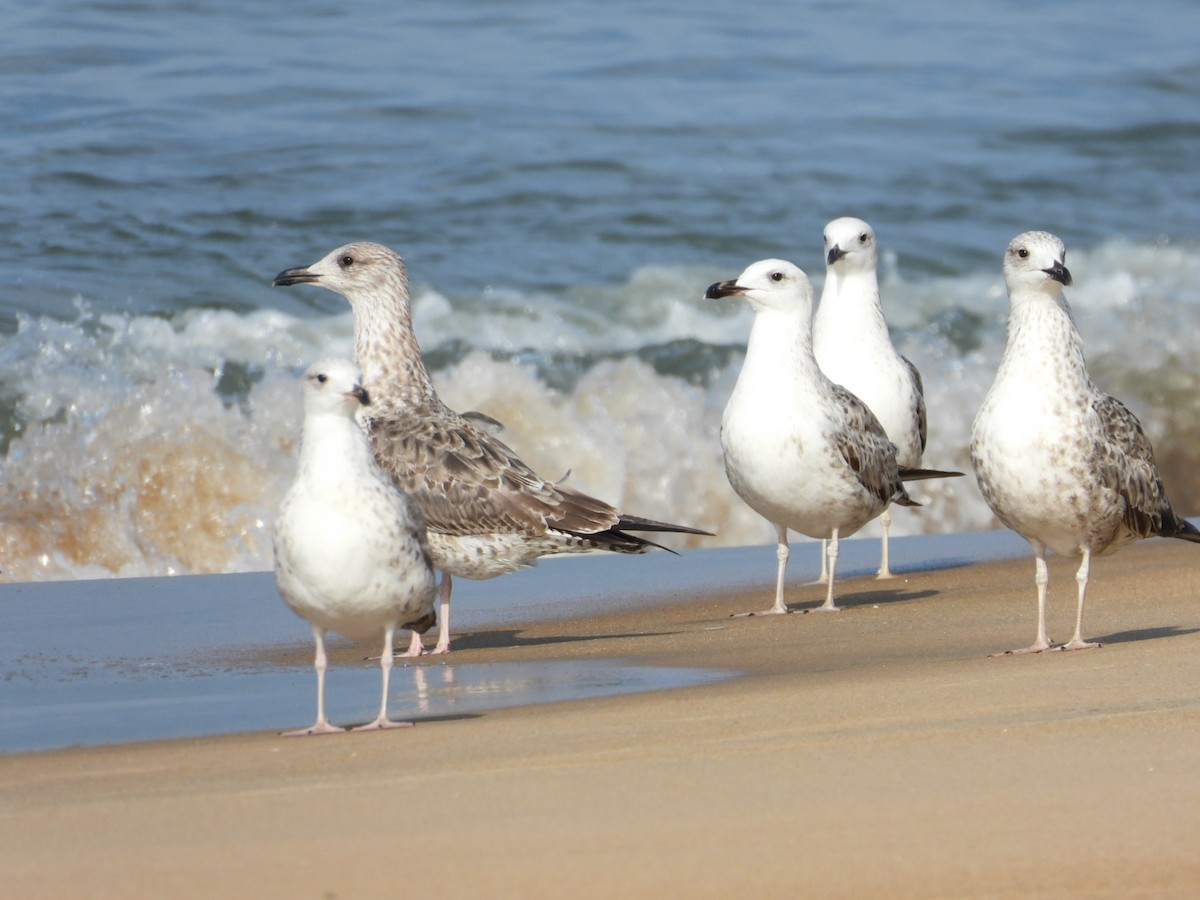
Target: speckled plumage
x,y
350,549
854,348
1059,461
487,512
490,514
803,452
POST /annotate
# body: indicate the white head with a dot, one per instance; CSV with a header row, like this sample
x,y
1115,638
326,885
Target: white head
x,y
1035,261
850,245
357,271
769,284
333,387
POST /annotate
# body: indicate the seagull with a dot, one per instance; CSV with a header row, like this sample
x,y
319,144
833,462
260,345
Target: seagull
x,y
1059,461
488,513
350,549
853,347
803,452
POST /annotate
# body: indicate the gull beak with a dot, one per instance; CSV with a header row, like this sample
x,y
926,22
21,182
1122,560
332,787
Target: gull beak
x,y
299,275
360,394
1058,272
724,289
835,253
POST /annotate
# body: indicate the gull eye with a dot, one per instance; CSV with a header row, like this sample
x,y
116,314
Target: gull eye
x,y
1023,253
322,378
346,261
862,238
777,276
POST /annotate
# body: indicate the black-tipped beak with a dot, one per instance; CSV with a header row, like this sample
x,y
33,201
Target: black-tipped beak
x,y
1059,273
299,275
360,393
835,253
723,289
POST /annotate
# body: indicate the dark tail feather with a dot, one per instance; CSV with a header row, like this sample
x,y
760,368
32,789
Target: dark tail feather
x,y
620,541
1182,529
901,498
637,523
907,474
618,537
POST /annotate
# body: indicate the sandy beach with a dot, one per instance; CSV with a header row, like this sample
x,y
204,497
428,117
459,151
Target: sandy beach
x,y
879,751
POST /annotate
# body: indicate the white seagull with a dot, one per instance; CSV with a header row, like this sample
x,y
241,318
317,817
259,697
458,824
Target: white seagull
x,y
854,348
488,513
1060,462
350,549
803,452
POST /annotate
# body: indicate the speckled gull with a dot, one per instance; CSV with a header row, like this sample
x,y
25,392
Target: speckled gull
x,y
487,512
350,549
1060,462
803,452
854,348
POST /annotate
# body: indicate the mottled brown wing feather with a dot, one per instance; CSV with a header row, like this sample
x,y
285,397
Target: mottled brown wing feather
x,y
467,481
922,425
866,448
1124,460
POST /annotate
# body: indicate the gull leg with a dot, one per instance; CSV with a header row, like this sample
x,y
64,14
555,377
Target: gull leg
x,y
385,666
321,726
445,586
824,576
1041,578
885,522
1081,578
782,553
415,647
828,606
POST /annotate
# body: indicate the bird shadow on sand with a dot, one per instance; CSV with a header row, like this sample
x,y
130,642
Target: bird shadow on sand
x,y
1143,634
418,719
867,599
511,638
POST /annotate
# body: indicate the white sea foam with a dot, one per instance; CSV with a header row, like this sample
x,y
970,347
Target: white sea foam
x,y
141,445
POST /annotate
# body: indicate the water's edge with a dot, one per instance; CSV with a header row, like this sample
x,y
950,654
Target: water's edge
x,y
112,661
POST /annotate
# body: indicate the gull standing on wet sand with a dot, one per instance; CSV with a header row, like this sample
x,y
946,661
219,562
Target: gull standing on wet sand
x,y
803,452
350,549
1060,462
854,348
487,512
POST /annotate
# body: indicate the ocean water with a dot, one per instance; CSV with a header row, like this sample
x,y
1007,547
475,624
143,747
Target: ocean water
x,y
564,180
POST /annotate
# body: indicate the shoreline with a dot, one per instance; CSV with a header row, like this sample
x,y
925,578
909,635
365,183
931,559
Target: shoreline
x,y
879,750
110,661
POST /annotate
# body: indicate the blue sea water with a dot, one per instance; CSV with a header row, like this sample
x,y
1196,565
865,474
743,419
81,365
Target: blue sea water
x,y
564,180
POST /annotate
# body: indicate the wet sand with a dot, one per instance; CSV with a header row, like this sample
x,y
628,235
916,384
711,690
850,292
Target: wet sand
x,y
877,751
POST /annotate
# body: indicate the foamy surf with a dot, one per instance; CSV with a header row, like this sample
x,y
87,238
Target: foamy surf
x,y
144,445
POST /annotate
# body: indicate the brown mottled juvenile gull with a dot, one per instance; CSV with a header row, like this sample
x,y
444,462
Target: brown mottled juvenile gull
x,y
803,452
854,348
350,549
1060,462
487,512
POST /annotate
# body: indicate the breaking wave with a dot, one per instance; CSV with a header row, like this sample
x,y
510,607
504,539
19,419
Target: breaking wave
x,y
143,445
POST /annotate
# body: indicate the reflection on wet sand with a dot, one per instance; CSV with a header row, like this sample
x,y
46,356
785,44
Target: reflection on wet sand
x,y
46,707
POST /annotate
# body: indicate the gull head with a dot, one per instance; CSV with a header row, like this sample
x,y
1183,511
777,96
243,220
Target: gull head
x,y
360,272
1036,261
334,387
769,284
850,245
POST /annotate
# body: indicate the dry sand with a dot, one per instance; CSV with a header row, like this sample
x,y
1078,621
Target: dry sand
x,y
875,752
